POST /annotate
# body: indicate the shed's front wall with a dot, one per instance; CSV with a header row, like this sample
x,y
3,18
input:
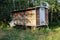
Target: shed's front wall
x,y
46,16
41,16
37,17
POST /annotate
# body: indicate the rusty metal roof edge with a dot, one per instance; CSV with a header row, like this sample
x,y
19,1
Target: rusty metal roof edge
x,y
31,8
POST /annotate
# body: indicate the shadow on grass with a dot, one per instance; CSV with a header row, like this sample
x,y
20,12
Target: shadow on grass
x,y
54,25
10,34
22,35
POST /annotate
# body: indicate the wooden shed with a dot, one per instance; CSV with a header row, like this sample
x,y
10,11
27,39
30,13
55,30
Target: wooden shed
x,y
35,16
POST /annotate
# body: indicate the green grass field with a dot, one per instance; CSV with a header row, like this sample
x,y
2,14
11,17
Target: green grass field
x,y
42,34
51,33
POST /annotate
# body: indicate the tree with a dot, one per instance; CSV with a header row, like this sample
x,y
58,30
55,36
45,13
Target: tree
x,y
7,6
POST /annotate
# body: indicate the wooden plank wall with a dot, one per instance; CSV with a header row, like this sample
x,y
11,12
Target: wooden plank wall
x,y
37,17
46,16
26,16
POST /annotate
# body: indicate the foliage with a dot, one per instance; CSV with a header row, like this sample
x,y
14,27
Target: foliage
x,y
9,5
6,6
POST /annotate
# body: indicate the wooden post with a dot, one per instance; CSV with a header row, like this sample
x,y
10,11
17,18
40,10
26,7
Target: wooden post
x,y
33,28
25,22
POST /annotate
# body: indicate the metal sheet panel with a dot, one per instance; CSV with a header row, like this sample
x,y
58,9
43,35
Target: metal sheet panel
x,y
42,16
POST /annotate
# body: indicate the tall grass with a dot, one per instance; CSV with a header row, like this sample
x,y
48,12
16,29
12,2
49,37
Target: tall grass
x,y
20,34
42,34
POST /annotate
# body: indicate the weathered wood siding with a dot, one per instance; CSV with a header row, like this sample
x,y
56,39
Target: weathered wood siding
x,y
46,16
37,17
29,17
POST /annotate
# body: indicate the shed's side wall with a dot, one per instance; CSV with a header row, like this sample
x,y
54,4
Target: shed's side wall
x,y
27,18
32,18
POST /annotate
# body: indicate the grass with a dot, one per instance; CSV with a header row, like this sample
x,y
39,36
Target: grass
x,y
42,34
7,33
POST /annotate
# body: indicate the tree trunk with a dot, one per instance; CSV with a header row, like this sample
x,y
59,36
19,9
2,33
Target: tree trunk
x,y
52,15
